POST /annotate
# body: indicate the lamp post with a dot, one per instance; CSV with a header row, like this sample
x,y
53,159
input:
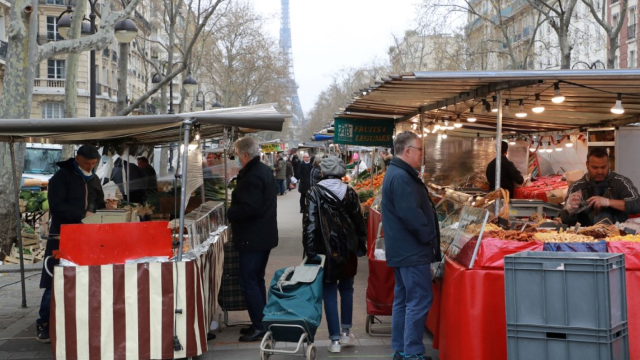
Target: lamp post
x,y
124,30
215,104
189,84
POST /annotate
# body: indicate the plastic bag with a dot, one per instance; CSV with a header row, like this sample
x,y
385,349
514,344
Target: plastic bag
x,y
294,180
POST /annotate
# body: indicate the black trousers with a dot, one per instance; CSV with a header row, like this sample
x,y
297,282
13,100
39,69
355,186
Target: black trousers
x,y
252,269
302,204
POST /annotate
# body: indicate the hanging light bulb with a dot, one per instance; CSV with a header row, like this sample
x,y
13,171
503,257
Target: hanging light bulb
x,y
512,141
506,110
472,116
521,112
494,106
557,96
537,108
436,126
617,108
569,143
457,124
484,107
541,148
414,126
426,130
197,136
444,136
532,147
446,124
557,146
548,148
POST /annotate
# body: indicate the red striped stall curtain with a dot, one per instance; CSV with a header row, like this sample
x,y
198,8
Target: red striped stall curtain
x,y
128,311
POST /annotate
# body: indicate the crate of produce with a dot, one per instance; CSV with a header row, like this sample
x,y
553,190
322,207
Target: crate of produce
x,y
561,289
535,343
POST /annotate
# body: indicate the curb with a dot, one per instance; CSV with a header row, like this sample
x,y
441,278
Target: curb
x,y
13,268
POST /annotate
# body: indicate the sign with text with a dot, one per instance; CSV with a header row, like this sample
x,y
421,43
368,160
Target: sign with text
x,y
364,132
267,148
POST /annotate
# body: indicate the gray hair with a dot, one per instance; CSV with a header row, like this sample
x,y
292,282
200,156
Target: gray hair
x,y
316,161
247,145
403,140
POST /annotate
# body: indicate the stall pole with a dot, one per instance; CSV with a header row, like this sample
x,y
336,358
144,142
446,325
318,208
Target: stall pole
x,y
422,137
16,199
225,152
373,166
498,148
125,172
202,197
183,188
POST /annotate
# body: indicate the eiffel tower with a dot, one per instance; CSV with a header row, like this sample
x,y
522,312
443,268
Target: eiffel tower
x,y
292,88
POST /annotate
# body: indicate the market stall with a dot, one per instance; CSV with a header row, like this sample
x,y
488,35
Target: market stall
x,y
547,116
152,292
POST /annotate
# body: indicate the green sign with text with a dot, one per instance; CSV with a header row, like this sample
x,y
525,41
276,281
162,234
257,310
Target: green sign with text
x,y
364,132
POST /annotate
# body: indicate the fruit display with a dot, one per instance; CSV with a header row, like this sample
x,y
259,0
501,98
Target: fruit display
x,y
365,184
630,238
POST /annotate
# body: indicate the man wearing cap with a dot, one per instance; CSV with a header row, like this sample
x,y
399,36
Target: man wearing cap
x,y
74,193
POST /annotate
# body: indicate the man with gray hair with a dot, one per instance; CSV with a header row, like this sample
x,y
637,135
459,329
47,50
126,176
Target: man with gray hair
x,y
254,226
412,243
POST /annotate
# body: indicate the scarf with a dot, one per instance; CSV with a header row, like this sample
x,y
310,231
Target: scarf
x,y
82,172
336,186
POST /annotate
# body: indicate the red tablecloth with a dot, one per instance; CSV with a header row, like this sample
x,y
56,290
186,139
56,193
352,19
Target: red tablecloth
x,y
538,189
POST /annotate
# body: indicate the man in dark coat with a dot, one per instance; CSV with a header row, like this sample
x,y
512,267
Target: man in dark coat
x,y
289,174
254,226
509,174
304,179
412,243
74,193
135,179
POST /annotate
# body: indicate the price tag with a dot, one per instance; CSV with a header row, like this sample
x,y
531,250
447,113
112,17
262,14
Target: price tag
x,y
503,223
630,231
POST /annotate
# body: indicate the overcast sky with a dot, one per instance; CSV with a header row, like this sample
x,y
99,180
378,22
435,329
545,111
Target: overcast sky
x,y
330,35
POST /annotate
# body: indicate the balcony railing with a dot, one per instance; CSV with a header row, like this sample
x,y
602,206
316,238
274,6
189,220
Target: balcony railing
x,y
3,50
53,83
113,93
56,2
631,31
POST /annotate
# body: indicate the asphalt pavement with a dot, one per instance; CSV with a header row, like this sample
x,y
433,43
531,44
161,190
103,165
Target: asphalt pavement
x,y
17,324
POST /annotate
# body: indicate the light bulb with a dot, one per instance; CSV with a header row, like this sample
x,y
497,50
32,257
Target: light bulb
x,y
444,136
436,127
457,124
414,126
512,141
197,136
557,146
494,107
548,148
521,112
557,96
541,149
472,116
537,108
507,107
617,108
569,143
426,130
532,148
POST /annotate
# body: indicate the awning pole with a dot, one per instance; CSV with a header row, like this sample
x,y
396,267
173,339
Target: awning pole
x,y
16,198
125,173
498,148
423,138
183,184
202,197
225,141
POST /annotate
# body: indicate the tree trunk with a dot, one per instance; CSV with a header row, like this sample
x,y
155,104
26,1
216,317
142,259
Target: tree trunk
x,y
16,104
123,64
565,52
611,53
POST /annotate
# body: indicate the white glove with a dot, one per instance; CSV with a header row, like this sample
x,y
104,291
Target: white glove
x,y
598,202
573,202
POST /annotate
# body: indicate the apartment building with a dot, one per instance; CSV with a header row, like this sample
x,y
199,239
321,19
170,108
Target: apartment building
x,y
627,55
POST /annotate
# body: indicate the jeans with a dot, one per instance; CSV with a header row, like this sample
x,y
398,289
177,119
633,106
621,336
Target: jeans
x,y
281,183
45,307
330,298
413,296
252,268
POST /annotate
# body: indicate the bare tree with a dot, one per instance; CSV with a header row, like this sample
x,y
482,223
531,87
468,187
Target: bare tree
x,y
559,14
612,30
23,56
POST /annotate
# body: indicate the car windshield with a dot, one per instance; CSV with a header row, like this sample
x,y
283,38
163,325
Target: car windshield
x,y
41,161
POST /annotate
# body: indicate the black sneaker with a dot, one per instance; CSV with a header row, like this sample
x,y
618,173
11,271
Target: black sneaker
x,y
398,355
42,334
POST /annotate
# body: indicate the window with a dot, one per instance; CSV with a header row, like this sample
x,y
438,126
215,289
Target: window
x,y
55,2
632,59
105,77
52,110
52,29
56,69
114,81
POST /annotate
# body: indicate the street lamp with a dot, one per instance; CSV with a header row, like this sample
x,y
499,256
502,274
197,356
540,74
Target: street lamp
x,y
214,105
189,84
125,30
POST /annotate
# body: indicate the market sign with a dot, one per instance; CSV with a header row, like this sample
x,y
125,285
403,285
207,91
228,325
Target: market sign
x,y
267,148
364,132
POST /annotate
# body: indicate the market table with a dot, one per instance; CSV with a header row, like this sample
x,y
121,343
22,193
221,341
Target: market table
x,y
539,188
128,311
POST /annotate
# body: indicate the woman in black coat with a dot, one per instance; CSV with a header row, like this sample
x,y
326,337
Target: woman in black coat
x,y
304,179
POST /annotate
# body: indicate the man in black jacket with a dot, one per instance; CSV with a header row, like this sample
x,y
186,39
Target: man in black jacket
x,y
412,243
74,193
254,225
509,174
304,179
601,194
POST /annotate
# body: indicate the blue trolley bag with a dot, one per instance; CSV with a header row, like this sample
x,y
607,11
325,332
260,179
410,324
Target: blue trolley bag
x,y
295,302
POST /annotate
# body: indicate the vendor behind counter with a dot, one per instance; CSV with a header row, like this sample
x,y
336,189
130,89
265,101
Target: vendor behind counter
x,y
509,174
601,194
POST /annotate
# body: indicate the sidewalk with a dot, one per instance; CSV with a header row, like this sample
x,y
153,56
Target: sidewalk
x,y
17,324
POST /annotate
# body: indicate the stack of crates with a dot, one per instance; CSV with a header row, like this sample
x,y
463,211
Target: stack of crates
x,y
566,306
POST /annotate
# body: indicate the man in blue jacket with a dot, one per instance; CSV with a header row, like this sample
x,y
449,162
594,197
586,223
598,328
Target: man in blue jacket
x,y
412,242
